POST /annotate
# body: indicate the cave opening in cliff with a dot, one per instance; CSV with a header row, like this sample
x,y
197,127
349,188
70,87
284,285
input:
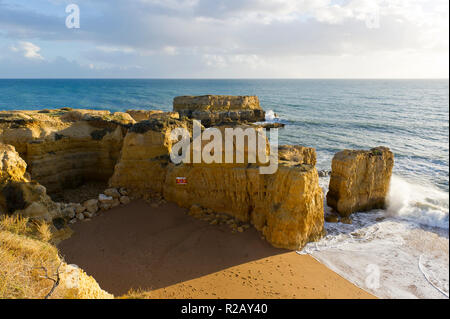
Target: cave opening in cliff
x,y
75,175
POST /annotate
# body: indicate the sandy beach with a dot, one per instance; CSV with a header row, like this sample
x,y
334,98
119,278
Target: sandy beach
x,y
168,254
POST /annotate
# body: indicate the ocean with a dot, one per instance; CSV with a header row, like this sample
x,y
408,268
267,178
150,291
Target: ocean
x,y
402,252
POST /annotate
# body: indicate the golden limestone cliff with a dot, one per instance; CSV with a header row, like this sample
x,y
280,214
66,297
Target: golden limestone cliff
x,y
144,158
18,194
215,109
360,180
142,115
65,148
287,207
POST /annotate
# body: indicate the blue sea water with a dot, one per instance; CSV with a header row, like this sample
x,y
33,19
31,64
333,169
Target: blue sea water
x,y
409,241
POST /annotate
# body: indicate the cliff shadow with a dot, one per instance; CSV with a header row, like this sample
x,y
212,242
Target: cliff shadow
x,y
143,247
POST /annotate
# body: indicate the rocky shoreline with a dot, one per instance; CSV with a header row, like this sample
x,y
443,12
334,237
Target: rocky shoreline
x,y
45,152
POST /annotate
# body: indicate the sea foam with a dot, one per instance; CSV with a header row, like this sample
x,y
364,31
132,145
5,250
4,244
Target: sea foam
x,y
423,204
407,245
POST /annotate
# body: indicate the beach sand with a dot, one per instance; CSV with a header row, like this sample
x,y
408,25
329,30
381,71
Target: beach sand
x,y
169,254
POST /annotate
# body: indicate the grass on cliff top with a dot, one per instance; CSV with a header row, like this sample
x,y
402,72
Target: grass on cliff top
x,y
24,250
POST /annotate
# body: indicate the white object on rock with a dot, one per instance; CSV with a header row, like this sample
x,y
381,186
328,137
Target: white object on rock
x,y
104,198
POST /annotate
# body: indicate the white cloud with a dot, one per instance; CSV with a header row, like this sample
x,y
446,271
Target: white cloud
x,y
170,50
244,38
28,50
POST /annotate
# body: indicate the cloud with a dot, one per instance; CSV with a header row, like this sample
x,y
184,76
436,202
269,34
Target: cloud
x,y
242,36
28,49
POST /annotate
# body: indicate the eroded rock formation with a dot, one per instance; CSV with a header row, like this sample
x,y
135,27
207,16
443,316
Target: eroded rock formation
x,y
215,109
143,115
287,207
360,180
18,194
145,155
65,148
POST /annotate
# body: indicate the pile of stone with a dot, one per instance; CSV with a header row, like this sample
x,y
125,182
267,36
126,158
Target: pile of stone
x,y
110,198
213,218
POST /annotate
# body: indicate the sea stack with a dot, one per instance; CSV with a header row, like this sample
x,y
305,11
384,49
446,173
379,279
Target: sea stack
x,y
360,180
215,109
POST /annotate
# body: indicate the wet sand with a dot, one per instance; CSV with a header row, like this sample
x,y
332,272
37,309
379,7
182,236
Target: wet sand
x,y
171,255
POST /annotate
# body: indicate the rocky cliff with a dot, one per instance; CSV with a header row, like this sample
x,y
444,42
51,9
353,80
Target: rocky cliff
x,y
360,180
18,193
287,207
65,148
145,155
215,109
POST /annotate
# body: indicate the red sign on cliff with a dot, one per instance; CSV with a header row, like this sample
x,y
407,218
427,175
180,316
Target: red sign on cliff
x,y
181,180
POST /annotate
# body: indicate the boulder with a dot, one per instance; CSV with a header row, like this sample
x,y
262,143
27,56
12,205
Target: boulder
x,y
88,214
115,202
20,195
112,192
196,211
76,284
360,180
12,166
105,202
69,212
91,205
79,208
125,200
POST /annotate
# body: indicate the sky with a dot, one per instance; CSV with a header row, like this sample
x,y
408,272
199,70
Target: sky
x,y
225,39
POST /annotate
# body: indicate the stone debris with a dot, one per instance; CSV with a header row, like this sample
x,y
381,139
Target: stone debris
x,y
112,192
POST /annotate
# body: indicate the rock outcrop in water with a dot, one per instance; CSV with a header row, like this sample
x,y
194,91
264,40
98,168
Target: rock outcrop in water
x,y
64,148
215,109
360,180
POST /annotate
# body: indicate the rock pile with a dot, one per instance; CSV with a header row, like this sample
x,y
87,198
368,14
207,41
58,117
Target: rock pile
x,y
213,218
110,198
